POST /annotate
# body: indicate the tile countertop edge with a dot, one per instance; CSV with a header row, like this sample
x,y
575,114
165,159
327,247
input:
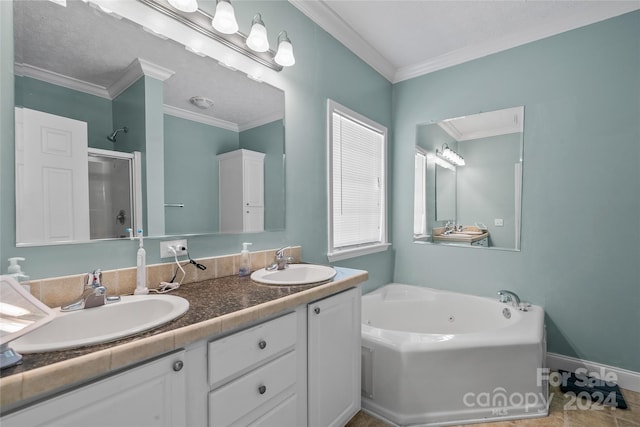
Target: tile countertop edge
x,y
29,386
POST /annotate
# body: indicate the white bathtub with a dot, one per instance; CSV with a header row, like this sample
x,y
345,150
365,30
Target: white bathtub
x,y
432,357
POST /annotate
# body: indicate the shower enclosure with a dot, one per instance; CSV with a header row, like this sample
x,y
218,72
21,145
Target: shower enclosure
x,y
112,189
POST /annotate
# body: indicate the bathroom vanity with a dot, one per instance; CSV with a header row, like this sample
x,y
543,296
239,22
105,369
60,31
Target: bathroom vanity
x,y
290,357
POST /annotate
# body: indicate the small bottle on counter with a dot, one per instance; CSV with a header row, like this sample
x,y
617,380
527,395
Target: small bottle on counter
x,y
245,261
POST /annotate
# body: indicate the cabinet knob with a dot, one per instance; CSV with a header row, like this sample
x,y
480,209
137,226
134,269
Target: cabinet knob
x,y
316,310
178,365
262,344
262,389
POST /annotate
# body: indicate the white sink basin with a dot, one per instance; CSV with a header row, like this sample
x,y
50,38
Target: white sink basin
x,y
295,274
132,315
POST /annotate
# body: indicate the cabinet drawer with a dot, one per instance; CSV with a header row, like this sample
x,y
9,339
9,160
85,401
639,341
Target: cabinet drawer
x,y
244,350
283,415
231,402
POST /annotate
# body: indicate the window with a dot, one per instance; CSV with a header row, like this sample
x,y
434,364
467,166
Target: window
x,y
420,195
357,184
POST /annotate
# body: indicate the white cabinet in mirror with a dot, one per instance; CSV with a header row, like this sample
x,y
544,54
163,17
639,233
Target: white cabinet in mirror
x,y
452,203
112,73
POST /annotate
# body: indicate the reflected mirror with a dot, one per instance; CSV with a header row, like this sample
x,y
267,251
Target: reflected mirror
x,y
468,180
180,110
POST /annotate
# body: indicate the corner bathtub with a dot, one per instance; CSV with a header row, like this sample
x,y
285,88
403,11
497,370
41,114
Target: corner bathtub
x,y
432,357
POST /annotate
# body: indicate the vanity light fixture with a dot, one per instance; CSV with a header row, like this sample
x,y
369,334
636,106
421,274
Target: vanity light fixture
x,y
185,5
225,30
224,19
257,39
450,156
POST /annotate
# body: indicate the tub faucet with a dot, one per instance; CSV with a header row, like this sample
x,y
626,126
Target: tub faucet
x,y
508,296
93,295
281,262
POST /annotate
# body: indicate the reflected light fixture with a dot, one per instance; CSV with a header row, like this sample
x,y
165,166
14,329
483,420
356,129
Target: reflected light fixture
x,y
451,156
224,19
185,5
284,56
201,102
257,39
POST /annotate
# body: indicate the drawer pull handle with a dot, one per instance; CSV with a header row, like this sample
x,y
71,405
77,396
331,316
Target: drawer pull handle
x,y
178,365
317,310
262,389
262,344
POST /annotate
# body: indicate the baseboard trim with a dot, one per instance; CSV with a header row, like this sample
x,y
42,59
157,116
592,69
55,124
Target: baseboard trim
x,y
626,379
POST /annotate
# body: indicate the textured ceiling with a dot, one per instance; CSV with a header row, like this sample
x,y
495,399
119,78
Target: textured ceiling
x,y
403,39
83,43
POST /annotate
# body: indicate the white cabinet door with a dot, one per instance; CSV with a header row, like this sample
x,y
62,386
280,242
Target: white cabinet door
x,y
52,178
253,218
253,180
150,395
334,359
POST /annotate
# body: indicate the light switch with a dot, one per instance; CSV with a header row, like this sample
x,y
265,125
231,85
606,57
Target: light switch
x,y
498,222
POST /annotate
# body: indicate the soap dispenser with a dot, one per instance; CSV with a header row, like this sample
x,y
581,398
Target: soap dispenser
x,y
245,261
16,272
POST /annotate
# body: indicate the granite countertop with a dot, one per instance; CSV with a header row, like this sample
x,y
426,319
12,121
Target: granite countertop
x,y
216,307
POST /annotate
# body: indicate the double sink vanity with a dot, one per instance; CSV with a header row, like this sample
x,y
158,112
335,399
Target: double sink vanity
x,y
243,353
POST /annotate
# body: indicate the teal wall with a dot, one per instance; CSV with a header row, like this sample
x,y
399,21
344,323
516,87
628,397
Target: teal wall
x,y
324,69
191,173
580,255
94,110
269,139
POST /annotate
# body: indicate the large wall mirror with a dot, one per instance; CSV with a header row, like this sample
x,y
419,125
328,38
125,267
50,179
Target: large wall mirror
x,y
468,180
133,90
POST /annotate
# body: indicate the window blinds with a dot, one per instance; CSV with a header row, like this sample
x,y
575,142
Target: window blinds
x,y
358,183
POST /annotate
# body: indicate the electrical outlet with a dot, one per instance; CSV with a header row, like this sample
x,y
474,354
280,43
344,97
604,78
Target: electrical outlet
x,y
178,245
498,222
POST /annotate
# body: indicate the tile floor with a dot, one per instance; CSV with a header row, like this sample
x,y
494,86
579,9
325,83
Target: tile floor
x,y
560,414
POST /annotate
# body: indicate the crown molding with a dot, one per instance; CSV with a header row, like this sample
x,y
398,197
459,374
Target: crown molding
x,y
47,76
329,21
200,118
332,23
260,121
527,35
139,67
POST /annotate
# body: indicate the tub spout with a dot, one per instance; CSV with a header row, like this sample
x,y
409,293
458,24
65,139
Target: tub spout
x,y
509,296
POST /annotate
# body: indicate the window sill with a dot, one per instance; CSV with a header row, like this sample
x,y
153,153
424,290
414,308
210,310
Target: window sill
x,y
356,252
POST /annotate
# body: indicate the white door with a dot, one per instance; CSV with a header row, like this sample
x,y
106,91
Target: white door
x,y
334,356
52,182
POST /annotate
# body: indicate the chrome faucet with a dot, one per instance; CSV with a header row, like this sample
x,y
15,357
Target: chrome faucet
x,y
508,296
281,262
93,295
449,228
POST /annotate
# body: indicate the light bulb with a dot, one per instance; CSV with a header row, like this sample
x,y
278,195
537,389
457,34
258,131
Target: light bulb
x,y
224,19
284,56
185,5
257,40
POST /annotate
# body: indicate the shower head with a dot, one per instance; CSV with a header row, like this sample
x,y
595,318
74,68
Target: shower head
x,y
113,135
